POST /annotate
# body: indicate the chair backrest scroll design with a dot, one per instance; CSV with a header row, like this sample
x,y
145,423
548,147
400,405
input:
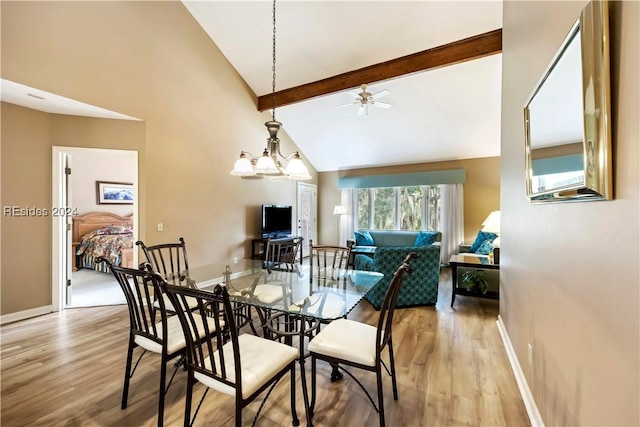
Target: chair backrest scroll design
x,y
168,259
207,356
385,321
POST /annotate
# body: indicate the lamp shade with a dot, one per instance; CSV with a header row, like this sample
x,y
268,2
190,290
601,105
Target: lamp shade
x,y
339,210
266,165
243,167
492,223
296,169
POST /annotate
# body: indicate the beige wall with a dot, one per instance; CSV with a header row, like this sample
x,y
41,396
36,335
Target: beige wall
x,y
150,60
569,274
481,191
27,138
26,241
90,166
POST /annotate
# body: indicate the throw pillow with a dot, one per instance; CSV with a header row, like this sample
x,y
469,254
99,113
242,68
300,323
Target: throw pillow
x,y
363,238
425,238
480,238
486,247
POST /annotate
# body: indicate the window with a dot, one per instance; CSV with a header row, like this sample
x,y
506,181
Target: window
x,y
398,208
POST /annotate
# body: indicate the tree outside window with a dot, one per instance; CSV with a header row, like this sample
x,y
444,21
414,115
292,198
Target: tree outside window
x,y
400,208
363,209
383,208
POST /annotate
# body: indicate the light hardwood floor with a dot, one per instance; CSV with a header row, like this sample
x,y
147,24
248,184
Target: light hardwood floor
x,y
67,369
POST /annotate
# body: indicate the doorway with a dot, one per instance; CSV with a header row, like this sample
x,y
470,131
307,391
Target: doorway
x,y
94,288
307,212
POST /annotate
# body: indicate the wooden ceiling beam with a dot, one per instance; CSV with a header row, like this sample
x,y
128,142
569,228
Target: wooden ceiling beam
x,y
456,52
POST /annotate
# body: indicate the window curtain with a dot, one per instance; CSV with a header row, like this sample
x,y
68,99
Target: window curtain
x,y
451,220
347,221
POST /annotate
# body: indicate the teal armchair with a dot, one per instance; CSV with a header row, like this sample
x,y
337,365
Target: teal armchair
x,y
418,288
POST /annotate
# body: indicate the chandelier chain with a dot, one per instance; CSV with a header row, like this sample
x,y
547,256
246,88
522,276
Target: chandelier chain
x,y
273,67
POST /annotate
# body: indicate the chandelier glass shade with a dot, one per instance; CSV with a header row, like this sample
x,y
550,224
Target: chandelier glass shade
x,y
269,163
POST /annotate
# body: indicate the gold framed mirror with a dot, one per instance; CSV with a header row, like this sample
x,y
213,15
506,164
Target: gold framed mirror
x,y
567,118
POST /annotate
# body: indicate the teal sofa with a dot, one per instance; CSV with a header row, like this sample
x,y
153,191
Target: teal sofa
x,y
418,288
388,238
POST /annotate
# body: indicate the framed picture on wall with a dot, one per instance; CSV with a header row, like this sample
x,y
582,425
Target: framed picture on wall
x,y
114,193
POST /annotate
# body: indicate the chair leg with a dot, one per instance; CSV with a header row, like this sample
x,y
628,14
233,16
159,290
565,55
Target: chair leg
x,y
127,374
393,371
188,399
163,376
312,405
238,410
294,414
380,396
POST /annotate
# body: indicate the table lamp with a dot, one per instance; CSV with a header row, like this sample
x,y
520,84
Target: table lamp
x,y
492,225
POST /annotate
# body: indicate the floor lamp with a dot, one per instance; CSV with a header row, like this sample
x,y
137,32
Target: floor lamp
x,y
338,211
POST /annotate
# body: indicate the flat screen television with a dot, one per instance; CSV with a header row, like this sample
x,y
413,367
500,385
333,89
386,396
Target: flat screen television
x,y
276,220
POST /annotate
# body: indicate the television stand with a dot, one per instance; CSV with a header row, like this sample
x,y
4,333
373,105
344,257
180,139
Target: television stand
x,y
259,246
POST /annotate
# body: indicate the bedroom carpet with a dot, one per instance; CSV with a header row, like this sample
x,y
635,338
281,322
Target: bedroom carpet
x,y
91,288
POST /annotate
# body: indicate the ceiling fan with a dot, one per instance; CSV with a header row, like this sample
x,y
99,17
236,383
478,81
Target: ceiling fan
x,y
364,99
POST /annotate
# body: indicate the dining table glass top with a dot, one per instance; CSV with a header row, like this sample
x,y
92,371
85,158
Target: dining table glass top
x,y
330,294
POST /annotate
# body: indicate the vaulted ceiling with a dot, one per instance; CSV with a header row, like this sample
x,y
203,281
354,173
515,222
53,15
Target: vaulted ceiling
x,y
443,113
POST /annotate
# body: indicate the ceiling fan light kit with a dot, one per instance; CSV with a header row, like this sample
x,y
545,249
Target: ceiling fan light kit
x,y
365,98
249,166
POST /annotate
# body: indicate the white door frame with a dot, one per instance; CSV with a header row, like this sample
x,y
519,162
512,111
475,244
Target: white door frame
x,y
58,225
314,189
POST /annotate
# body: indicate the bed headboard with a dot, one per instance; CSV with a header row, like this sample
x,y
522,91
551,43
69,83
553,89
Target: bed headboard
x,y
83,224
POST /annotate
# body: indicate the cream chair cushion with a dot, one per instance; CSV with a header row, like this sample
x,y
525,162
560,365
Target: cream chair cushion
x,y
260,359
268,294
175,337
191,302
348,340
325,305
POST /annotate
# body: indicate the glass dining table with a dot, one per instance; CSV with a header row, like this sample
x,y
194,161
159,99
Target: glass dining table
x,y
292,290
289,301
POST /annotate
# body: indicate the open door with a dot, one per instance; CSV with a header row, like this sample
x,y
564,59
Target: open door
x,y
68,255
62,245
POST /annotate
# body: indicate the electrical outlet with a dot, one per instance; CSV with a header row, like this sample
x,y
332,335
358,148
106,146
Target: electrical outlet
x,y
530,351
160,226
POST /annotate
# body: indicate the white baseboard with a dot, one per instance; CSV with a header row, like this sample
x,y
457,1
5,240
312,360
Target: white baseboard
x,y
26,314
525,392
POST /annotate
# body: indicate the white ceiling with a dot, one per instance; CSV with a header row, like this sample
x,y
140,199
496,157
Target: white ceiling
x,y
444,114
19,94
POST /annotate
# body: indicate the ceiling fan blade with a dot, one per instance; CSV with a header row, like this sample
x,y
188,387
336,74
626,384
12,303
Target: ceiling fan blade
x,y
362,110
381,104
380,94
356,102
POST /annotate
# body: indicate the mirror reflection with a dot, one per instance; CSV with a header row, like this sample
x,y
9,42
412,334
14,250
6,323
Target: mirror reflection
x,y
555,118
567,117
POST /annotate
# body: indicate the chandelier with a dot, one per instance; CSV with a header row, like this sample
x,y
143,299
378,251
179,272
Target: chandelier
x,y
250,166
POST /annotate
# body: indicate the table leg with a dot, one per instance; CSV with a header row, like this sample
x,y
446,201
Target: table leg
x,y
454,282
335,373
303,376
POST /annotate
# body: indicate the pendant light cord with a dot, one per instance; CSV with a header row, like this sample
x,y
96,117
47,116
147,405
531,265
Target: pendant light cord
x,y
273,67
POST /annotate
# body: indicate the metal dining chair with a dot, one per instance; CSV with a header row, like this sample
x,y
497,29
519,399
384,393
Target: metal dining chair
x,y
240,365
359,345
168,259
282,254
326,261
151,329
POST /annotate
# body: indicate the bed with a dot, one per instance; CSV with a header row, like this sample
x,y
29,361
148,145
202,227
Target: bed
x,y
103,234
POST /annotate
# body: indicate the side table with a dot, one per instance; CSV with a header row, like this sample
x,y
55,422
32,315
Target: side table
x,y
462,260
